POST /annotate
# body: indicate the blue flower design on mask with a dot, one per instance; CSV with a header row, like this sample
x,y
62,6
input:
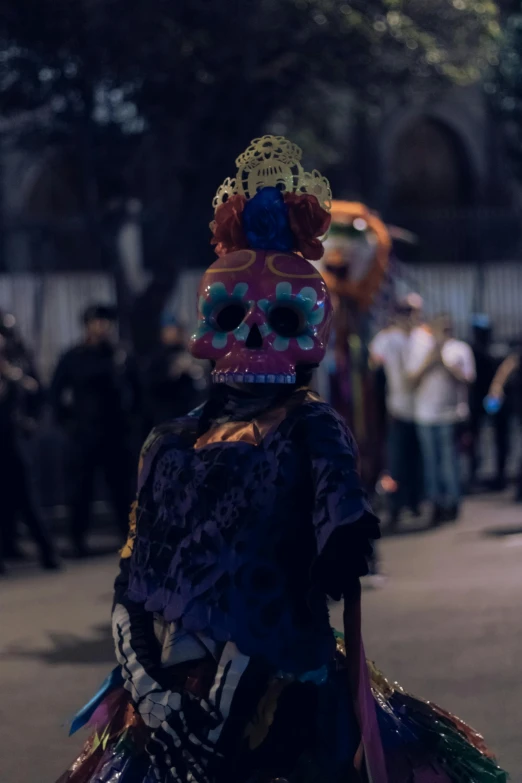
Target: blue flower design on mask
x,y
306,302
218,295
265,221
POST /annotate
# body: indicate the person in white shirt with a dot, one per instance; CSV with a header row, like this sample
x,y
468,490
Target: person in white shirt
x,y
440,369
389,350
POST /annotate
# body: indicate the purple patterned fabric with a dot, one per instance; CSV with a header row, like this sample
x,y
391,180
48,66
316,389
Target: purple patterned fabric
x,y
227,534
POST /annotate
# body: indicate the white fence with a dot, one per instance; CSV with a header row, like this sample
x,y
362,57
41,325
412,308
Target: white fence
x,y
453,288
48,307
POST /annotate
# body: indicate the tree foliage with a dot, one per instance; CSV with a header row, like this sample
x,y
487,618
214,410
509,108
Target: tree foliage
x,y
157,97
505,89
208,75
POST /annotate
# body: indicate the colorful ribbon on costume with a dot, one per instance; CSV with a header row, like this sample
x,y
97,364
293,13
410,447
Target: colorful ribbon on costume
x,y
114,680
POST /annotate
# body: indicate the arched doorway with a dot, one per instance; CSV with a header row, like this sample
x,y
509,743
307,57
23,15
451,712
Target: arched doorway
x,y
430,169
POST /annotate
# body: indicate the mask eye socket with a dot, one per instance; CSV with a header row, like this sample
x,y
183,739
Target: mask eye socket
x,y
229,316
287,320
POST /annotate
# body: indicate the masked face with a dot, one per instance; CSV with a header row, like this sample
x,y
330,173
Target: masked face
x,y
356,253
261,314
349,258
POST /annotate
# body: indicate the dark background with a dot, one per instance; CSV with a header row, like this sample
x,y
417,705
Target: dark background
x,y
118,110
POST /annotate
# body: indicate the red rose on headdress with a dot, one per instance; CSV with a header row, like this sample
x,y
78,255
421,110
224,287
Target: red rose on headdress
x,y
227,226
308,221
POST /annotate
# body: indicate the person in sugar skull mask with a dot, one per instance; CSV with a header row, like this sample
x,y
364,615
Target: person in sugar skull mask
x,y
355,266
249,514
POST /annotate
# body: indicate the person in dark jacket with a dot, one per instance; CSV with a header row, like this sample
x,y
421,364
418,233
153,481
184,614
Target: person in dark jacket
x,y
18,498
486,366
175,382
29,408
509,374
94,394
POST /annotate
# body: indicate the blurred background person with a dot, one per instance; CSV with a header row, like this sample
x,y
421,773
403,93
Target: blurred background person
x,y
29,405
440,369
174,381
389,350
16,489
486,366
509,372
16,351
94,396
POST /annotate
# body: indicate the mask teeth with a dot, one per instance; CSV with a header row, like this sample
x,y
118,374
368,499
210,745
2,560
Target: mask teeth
x,y
250,377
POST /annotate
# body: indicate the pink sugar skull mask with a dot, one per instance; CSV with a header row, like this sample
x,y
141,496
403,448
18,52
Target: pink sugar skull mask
x,y
261,314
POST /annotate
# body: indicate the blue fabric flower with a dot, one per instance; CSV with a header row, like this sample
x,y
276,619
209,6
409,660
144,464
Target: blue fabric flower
x,y
265,221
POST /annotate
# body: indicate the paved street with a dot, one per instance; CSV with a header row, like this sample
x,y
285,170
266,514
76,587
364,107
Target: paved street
x,y
448,625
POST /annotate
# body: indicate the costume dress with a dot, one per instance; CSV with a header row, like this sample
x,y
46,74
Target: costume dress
x,y
249,516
